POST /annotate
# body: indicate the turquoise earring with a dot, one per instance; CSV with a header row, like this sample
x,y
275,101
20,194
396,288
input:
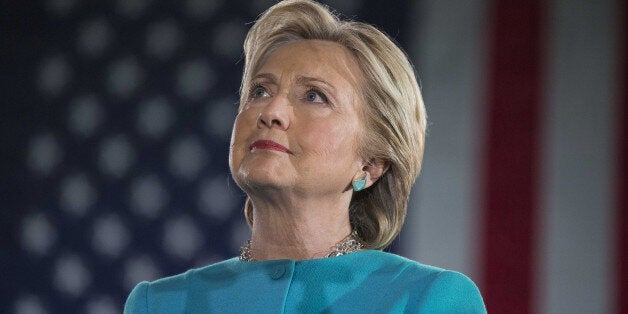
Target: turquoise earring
x,y
359,185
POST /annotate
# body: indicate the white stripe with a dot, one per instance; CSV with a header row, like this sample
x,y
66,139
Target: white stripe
x,y
449,49
576,215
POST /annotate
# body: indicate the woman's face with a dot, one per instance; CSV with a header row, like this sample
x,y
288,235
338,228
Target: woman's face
x,y
299,128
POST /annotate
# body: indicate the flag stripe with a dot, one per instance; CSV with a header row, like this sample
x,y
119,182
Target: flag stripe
x,y
512,149
576,240
577,262
442,219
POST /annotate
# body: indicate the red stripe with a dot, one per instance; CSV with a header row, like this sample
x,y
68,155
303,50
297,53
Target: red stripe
x,y
622,174
510,190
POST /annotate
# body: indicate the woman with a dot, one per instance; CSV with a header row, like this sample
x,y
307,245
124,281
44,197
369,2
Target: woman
x,y
327,143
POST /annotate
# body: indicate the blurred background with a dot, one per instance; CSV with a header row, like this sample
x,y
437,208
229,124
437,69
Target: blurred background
x,y
116,118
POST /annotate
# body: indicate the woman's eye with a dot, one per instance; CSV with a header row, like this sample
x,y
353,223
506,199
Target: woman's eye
x,y
258,92
315,96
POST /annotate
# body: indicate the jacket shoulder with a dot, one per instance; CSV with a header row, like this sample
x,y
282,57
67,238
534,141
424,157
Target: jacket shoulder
x,y
171,292
450,292
432,289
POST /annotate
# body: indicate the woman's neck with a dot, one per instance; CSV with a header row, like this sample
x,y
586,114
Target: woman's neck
x,y
297,230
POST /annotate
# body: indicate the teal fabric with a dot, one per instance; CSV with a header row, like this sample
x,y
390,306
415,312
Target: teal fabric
x,y
362,282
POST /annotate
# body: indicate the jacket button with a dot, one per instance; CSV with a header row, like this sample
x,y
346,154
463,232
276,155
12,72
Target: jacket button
x,y
279,271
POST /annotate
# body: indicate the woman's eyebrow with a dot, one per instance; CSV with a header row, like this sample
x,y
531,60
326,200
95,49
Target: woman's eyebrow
x,y
303,80
269,76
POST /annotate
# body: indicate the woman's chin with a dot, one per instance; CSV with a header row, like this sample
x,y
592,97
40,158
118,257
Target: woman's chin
x,y
257,178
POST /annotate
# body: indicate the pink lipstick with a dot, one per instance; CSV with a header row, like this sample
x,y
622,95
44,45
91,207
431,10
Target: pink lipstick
x,y
270,145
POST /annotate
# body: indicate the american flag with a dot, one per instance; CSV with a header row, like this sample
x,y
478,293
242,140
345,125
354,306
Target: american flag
x,y
116,132
116,118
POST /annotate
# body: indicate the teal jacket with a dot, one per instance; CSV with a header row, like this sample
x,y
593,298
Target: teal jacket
x,y
362,282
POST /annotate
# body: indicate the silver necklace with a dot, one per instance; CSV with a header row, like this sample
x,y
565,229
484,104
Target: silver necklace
x,y
349,244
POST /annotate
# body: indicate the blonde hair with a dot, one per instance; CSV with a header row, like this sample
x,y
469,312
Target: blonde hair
x,y
394,114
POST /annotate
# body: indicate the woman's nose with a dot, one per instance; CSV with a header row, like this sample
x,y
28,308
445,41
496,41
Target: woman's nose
x,y
275,114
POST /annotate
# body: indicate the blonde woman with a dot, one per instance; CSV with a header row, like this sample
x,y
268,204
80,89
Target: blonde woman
x,y
327,144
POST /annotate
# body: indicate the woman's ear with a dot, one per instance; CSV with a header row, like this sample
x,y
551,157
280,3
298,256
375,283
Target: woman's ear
x,y
375,169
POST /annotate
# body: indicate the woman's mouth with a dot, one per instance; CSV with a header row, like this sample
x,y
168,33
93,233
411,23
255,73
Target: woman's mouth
x,y
269,145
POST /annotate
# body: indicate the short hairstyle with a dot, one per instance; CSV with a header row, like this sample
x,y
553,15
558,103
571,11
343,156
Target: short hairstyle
x,y
393,113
